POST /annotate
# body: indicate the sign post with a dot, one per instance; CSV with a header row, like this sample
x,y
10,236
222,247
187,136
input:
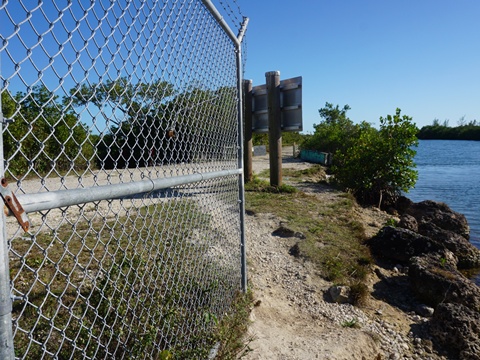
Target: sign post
x,y
271,108
274,127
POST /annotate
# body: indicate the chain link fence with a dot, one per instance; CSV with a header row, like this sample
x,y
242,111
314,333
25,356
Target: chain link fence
x,y
122,177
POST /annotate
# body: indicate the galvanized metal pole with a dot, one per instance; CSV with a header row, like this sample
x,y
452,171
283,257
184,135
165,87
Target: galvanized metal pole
x,y
274,127
6,333
243,244
213,10
247,97
237,40
63,198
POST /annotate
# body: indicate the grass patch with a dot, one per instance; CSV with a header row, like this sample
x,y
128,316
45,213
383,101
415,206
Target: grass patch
x,y
391,222
122,288
315,171
334,238
232,330
359,293
259,185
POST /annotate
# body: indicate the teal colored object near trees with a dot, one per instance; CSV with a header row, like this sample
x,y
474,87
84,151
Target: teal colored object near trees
x,y
316,157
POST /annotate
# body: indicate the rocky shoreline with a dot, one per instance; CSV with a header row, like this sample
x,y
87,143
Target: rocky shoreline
x,y
430,244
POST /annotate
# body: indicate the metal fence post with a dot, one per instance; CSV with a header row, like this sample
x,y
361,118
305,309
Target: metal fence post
x,y
6,334
238,58
274,127
241,150
247,93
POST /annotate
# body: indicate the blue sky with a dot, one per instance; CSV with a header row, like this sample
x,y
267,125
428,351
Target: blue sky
x,y
422,56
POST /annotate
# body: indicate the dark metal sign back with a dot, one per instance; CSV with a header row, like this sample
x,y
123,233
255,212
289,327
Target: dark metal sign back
x,y
290,102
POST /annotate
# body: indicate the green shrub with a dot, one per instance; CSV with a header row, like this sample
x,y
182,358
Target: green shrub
x,y
374,165
379,164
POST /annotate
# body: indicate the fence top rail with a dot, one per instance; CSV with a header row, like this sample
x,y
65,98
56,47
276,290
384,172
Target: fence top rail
x,y
236,39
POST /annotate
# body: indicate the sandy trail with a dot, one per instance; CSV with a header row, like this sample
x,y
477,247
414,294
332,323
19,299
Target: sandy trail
x,y
293,320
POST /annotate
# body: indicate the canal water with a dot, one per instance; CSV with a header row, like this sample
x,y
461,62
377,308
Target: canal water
x,y
449,171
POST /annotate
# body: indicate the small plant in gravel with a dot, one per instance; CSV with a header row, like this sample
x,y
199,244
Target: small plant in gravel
x,y
353,323
359,293
391,222
443,262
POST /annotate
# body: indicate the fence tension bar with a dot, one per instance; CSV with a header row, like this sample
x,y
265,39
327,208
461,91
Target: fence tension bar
x,y
12,203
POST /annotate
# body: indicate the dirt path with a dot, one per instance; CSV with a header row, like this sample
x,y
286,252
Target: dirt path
x,y
292,320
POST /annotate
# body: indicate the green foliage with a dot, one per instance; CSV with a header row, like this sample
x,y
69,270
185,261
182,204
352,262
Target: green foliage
x,y
353,323
374,165
334,133
232,330
288,138
391,222
259,139
132,100
379,165
148,124
132,139
45,135
8,104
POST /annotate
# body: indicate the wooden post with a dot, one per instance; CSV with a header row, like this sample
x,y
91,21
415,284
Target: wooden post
x,y
274,127
247,116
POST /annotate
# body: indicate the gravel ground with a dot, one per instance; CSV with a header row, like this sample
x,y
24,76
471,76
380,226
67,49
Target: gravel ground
x,y
292,319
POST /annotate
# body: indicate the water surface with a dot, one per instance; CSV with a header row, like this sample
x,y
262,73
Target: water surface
x,y
449,171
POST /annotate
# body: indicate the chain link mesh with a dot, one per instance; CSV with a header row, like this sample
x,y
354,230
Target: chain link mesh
x,y
97,93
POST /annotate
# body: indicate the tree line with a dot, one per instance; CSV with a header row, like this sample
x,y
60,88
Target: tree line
x,y
146,124
442,131
43,133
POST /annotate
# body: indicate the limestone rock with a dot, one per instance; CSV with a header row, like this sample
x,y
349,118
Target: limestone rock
x,y
340,294
408,222
457,327
399,245
468,255
285,232
424,310
295,250
441,215
435,279
426,227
